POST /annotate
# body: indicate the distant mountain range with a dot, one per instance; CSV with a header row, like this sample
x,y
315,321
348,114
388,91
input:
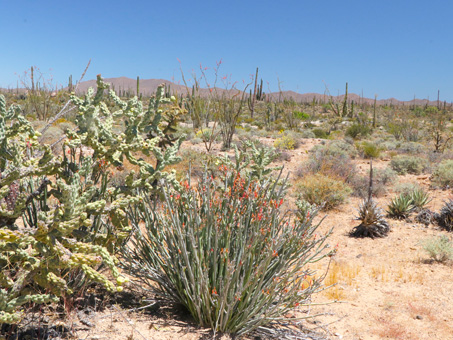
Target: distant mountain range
x,y
149,86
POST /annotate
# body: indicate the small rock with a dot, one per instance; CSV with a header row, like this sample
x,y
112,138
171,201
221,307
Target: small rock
x,y
339,335
419,317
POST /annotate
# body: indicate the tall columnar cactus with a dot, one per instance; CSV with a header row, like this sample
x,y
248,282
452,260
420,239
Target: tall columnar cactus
x,y
74,218
70,87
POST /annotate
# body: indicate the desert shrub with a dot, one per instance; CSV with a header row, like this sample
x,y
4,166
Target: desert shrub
x,y
301,115
191,160
411,148
369,150
323,191
283,155
356,131
307,134
406,188
186,131
332,159
226,251
408,164
400,207
336,148
389,145
443,174
196,141
381,179
286,142
342,146
439,249
320,133
408,130
206,134
437,157
73,216
52,134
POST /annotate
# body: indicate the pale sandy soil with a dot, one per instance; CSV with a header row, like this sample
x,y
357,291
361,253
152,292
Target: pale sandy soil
x,y
386,288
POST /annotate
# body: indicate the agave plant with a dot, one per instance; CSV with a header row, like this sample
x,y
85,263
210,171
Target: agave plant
x,y
445,217
420,198
401,207
373,222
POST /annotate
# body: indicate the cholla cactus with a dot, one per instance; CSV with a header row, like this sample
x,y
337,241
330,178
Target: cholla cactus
x,y
74,218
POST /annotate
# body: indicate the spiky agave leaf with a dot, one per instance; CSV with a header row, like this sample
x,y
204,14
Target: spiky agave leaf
x,y
373,222
400,207
420,198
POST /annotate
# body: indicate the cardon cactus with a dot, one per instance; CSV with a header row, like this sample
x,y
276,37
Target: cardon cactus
x,y
74,219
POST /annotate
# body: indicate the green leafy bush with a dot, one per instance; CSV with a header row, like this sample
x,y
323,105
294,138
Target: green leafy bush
x,y
369,150
358,130
226,251
443,175
323,191
408,164
320,133
301,115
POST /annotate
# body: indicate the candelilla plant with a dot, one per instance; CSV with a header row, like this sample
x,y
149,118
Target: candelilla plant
x,y
225,250
73,218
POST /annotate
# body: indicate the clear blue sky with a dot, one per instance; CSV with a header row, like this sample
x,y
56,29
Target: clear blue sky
x,y
389,48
